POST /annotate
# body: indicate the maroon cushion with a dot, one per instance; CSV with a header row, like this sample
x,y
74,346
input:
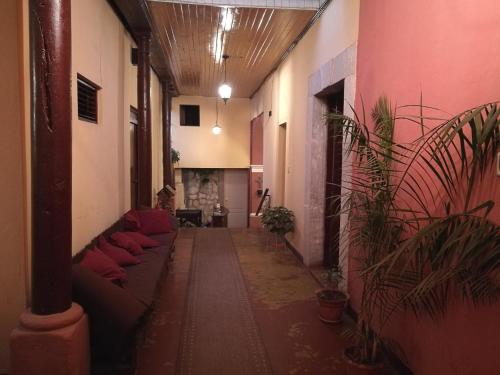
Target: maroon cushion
x,y
98,262
122,240
131,221
154,221
142,239
119,255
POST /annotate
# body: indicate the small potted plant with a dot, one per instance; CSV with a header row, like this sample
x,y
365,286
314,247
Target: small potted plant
x,y
176,156
278,220
331,300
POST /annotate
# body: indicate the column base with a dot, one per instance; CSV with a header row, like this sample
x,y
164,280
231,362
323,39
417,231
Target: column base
x,y
56,344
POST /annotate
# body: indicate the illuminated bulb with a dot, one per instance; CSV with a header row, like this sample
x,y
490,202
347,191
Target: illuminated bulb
x,y
225,91
216,129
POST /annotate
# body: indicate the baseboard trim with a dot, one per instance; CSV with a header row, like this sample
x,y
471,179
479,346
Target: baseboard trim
x,y
294,250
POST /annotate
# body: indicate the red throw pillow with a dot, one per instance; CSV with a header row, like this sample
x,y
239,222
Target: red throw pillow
x,y
142,240
154,221
131,221
98,262
122,240
119,255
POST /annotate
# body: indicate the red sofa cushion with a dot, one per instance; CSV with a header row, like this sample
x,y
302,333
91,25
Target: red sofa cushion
x,y
131,221
154,221
121,256
122,240
98,262
142,239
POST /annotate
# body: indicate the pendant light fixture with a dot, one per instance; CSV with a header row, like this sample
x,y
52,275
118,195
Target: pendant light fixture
x,y
216,129
225,89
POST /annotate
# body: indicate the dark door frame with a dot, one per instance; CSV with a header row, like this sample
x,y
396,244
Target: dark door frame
x,y
334,99
134,194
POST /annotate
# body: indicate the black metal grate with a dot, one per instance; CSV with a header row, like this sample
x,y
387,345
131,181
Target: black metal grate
x,y
87,99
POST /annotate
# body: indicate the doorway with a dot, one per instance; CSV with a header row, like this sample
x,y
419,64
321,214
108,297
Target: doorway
x,y
256,171
281,165
133,124
334,99
236,197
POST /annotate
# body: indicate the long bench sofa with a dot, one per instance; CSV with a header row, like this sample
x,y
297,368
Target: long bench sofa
x,y
118,313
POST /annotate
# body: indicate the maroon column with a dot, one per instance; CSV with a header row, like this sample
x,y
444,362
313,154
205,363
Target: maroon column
x,y
144,119
50,29
167,136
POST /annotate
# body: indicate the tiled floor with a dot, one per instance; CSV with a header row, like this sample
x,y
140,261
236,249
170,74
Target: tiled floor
x,y
282,296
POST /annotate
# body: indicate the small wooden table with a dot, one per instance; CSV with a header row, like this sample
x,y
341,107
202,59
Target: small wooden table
x,y
192,215
219,218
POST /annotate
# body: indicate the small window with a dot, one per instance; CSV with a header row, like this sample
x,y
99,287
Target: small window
x,y
87,99
190,115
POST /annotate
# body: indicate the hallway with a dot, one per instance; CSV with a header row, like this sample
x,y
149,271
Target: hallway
x,y
281,296
154,151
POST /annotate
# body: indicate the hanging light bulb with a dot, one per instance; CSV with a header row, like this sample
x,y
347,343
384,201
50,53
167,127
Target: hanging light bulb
x,y
225,92
225,89
216,129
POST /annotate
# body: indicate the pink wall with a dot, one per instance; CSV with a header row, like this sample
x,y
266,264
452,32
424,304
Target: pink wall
x,y
257,140
449,51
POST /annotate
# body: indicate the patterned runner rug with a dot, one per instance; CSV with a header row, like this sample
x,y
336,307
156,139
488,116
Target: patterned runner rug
x,y
220,336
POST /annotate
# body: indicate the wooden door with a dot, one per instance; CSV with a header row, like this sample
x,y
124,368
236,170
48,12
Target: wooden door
x,y
134,197
236,197
335,102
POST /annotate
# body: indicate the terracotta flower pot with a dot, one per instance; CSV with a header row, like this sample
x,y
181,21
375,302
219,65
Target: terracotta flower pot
x,y
357,368
331,304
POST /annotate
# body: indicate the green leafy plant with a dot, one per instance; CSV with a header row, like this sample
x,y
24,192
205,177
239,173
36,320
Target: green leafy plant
x,y
419,229
278,220
176,156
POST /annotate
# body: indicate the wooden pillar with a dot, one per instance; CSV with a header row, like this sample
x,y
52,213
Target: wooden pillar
x,y
144,167
50,29
167,136
172,169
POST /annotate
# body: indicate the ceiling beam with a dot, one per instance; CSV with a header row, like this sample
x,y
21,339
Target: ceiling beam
x,y
135,16
270,4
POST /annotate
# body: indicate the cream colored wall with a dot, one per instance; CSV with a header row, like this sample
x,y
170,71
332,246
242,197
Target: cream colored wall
x,y
12,165
129,99
101,152
286,93
199,148
156,134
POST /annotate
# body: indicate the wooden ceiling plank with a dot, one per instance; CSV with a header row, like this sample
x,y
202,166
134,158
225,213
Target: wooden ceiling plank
x,y
194,38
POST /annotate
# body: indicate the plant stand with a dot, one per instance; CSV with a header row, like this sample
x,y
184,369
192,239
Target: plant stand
x,y
275,241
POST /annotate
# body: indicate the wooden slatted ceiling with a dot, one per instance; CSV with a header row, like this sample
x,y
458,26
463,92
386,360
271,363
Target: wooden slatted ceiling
x,y
195,37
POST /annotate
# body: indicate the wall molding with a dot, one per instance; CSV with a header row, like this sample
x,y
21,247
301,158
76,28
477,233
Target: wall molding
x,y
341,67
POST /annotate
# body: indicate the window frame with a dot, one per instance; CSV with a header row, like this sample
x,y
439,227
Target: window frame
x,y
80,79
182,115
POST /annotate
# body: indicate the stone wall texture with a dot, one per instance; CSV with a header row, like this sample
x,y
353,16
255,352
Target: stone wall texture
x,y
203,191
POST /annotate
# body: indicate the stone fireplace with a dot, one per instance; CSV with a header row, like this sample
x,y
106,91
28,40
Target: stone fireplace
x,y
203,189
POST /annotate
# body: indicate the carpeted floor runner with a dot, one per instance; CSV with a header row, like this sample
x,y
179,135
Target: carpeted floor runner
x,y
219,335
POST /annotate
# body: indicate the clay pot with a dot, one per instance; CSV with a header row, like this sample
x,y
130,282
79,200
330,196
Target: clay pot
x,y
331,305
361,368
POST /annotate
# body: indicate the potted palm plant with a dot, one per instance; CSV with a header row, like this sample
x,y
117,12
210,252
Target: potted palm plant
x,y
373,234
279,221
419,232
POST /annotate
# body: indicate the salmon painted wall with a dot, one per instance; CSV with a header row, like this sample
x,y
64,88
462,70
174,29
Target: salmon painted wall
x,y
449,52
